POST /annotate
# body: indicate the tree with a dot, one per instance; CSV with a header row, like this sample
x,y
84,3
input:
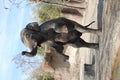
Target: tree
x,y
43,76
48,12
60,5
27,64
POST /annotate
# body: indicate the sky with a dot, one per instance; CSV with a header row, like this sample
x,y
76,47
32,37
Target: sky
x,y
12,21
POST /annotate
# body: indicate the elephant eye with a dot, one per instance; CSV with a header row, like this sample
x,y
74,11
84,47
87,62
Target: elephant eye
x,y
27,36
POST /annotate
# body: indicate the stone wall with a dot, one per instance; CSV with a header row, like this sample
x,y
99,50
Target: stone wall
x,y
109,40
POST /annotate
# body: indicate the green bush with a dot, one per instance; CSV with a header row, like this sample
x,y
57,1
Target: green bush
x,y
48,12
44,76
41,50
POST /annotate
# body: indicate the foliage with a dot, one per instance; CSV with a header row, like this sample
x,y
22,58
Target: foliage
x,y
48,12
41,50
45,11
27,64
44,76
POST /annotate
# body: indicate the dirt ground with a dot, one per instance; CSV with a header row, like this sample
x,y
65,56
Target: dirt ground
x,y
106,14
81,56
109,42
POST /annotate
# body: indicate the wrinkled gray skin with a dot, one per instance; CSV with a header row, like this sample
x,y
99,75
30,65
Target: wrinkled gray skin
x,y
60,31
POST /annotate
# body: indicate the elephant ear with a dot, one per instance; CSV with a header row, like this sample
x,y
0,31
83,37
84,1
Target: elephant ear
x,y
61,29
33,26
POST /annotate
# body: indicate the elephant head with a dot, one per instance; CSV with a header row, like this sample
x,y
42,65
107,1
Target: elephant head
x,y
32,39
26,37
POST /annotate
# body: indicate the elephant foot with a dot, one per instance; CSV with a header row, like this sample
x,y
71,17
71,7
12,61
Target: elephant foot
x,y
94,46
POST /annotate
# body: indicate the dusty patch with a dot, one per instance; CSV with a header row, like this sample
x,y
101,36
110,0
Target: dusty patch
x,y
115,71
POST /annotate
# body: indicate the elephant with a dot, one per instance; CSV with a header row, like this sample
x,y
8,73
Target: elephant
x,y
60,32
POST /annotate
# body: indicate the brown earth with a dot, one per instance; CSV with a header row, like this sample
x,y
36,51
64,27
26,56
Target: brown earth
x,y
109,40
106,15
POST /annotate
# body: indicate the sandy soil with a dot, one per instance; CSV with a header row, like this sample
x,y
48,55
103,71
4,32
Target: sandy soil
x,y
81,56
106,57
109,42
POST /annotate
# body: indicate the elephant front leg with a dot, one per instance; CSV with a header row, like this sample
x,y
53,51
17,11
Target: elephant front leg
x,y
59,48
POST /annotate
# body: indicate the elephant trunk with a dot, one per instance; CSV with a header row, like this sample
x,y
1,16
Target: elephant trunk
x,y
30,54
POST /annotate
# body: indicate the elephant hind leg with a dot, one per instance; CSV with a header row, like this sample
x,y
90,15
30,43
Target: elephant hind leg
x,y
81,43
82,29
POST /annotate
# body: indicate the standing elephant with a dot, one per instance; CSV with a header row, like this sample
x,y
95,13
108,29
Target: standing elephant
x,y
60,31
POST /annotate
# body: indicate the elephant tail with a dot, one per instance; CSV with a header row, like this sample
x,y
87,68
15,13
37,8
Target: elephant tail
x,y
89,24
